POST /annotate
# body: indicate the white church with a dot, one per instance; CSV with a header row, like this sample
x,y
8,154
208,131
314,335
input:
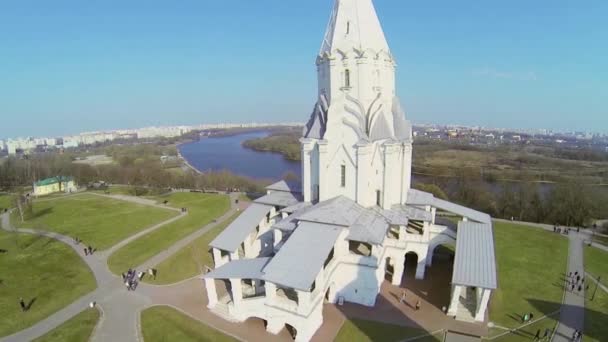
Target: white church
x,y
333,237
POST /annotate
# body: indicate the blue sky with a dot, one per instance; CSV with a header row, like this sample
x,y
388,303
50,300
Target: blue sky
x,y
72,66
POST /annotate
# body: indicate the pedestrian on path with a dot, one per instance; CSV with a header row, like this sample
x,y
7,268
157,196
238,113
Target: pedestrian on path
x,y
22,304
418,305
86,251
578,278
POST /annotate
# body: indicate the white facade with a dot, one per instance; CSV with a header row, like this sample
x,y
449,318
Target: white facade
x,y
334,237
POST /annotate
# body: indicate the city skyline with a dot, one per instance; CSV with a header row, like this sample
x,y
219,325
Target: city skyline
x,y
71,68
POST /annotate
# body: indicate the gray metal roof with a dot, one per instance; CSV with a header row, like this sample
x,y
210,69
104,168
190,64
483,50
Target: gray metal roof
x,y
475,261
291,222
293,208
400,214
298,262
231,237
341,211
287,186
417,197
280,198
370,227
239,269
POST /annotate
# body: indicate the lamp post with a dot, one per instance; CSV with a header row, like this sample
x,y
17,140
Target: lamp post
x,y
597,284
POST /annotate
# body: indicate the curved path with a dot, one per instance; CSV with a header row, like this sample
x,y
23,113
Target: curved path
x,y
121,308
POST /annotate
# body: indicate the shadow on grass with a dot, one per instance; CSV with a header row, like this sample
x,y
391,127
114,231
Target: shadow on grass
x,y
574,318
39,213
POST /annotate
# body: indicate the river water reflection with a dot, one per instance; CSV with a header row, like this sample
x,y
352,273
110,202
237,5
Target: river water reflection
x,y
227,153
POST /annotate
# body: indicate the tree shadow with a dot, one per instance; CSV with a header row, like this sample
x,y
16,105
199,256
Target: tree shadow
x,y
575,319
29,305
42,212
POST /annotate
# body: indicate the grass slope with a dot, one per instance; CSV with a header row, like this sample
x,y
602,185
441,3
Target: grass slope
x,y
596,315
6,201
361,330
203,208
530,264
42,269
99,221
78,329
189,261
596,263
162,323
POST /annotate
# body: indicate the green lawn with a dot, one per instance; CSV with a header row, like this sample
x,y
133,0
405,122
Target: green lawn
x,y
162,323
361,330
189,261
99,221
596,263
41,270
202,208
530,265
78,329
6,201
596,315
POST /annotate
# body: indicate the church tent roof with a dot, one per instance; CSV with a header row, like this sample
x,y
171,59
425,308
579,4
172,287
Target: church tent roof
x,y
280,199
239,269
298,262
287,186
475,260
231,237
370,227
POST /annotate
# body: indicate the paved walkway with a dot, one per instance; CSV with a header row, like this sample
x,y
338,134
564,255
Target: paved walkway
x,y
572,315
121,308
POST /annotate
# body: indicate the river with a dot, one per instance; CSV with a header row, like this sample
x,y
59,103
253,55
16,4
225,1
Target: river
x,y
227,153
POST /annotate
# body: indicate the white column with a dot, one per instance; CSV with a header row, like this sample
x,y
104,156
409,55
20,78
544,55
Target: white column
x,y
483,305
429,256
211,292
420,268
365,197
390,191
307,146
217,258
237,292
398,271
278,235
274,326
406,169
234,255
323,176
402,233
456,290
304,299
433,213
271,292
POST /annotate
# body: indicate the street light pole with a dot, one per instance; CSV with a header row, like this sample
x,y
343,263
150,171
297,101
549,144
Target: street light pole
x,y
597,284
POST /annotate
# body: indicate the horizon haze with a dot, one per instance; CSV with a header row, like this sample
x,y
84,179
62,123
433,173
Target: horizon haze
x,y
69,67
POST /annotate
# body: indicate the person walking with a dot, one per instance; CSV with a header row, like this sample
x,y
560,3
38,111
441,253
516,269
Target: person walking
x,y
22,304
418,305
86,251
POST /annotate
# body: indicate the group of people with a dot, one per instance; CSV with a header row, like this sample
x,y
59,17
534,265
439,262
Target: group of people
x,y
577,336
402,300
546,336
576,281
131,279
184,210
565,231
88,250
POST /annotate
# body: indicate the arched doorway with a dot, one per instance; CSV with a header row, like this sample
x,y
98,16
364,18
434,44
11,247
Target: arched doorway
x,y
410,264
292,331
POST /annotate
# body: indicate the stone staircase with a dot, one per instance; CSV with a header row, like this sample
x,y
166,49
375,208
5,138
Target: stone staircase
x,y
466,306
221,310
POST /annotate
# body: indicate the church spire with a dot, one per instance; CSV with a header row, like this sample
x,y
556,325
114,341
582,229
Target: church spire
x,y
354,24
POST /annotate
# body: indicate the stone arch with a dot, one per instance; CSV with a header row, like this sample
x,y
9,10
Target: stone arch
x,y
437,241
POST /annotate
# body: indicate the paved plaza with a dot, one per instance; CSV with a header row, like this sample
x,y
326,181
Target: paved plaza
x,y
121,308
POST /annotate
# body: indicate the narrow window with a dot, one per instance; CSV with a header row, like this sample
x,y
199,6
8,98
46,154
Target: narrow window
x,y
347,27
343,175
378,198
347,78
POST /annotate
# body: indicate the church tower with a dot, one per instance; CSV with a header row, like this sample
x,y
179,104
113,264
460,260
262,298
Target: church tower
x,y
357,142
